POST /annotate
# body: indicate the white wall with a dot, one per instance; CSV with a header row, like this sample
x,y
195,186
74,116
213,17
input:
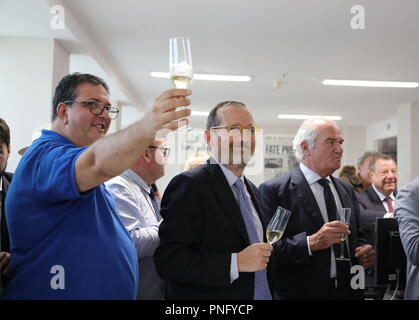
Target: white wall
x,y
380,130
354,144
27,75
407,150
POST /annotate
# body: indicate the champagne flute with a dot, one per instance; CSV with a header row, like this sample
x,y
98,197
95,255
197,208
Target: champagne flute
x,y
345,217
277,225
180,65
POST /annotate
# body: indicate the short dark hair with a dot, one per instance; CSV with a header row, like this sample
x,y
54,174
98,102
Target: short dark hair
x,y
4,132
66,89
213,120
380,156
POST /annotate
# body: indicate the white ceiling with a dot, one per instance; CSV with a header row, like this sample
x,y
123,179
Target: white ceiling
x,y
307,40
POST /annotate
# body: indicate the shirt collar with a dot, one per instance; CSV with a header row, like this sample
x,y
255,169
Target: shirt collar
x,y
1,184
135,177
382,196
310,175
230,176
49,134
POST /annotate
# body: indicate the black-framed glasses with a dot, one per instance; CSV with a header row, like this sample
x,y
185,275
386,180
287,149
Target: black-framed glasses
x,y
166,151
97,107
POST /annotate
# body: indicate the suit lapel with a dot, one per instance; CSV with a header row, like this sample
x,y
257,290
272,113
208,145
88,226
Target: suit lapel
x,y
375,199
306,197
219,185
343,195
256,201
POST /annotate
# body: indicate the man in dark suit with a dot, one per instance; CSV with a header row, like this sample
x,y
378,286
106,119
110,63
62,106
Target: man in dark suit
x,y
306,255
378,200
211,237
5,179
363,170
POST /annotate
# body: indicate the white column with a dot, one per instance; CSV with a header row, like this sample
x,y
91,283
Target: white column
x,y
354,145
408,142
29,71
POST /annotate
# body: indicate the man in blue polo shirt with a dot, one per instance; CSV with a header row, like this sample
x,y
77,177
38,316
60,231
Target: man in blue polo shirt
x,y
67,241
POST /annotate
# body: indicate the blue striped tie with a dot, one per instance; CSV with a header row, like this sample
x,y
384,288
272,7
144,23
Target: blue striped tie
x,y
262,291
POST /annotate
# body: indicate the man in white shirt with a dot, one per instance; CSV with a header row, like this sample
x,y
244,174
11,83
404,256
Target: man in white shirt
x,y
306,254
380,195
378,200
138,208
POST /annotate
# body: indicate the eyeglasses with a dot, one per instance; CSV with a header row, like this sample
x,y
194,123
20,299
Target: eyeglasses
x,y
97,108
237,126
166,151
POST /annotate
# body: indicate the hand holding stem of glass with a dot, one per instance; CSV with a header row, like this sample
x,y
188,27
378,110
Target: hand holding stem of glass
x,y
277,225
180,63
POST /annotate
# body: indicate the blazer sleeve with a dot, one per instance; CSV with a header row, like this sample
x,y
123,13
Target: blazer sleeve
x,y
179,256
291,249
407,215
361,240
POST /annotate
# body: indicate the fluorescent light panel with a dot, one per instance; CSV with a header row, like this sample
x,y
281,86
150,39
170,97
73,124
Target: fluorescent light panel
x,y
208,77
306,116
374,84
199,113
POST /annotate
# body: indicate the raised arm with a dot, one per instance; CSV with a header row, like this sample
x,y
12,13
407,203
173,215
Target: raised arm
x,y
113,154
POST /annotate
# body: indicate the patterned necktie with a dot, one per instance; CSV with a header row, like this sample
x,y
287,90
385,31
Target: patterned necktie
x,y
331,207
262,291
156,203
390,204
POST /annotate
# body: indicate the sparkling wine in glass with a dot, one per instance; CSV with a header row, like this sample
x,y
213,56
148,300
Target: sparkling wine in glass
x,y
277,225
180,65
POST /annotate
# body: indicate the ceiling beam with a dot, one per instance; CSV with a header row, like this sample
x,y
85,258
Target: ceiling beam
x,y
96,51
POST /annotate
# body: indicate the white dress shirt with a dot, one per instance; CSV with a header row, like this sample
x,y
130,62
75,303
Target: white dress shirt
x,y
385,204
134,207
312,179
231,179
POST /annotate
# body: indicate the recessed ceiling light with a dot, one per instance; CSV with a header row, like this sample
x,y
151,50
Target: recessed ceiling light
x,y
199,113
208,77
307,116
375,84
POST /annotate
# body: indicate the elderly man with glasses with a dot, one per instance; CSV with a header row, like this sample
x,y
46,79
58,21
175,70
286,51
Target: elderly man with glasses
x,y
212,236
67,241
139,210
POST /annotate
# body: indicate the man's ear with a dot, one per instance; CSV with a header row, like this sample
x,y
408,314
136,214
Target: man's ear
x,y
147,156
305,147
62,112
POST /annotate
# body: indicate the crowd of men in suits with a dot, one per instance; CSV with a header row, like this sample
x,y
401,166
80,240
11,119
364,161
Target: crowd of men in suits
x,y
206,239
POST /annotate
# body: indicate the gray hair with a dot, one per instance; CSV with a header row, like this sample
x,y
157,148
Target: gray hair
x,y
307,132
366,154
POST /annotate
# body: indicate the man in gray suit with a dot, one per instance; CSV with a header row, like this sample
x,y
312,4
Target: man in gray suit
x,y
407,215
